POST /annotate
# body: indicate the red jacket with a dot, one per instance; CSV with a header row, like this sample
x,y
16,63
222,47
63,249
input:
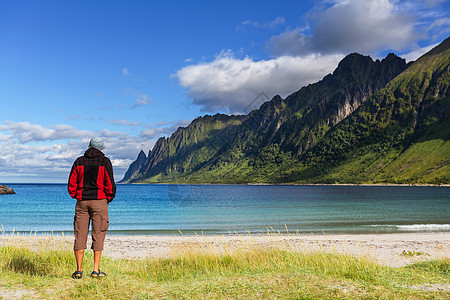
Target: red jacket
x,y
91,177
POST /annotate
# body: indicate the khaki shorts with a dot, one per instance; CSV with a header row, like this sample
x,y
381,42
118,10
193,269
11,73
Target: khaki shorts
x,y
85,211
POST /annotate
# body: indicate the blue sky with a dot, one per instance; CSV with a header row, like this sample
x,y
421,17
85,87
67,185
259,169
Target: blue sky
x,y
133,71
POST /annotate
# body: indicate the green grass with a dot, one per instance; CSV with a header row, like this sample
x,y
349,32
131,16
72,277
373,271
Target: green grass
x,y
44,271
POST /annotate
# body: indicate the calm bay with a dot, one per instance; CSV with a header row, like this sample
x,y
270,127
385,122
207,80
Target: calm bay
x,y
222,209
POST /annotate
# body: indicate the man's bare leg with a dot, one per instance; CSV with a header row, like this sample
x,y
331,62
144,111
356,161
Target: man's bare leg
x,y
97,257
79,254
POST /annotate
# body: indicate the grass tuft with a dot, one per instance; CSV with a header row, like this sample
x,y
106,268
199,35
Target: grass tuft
x,y
437,266
37,263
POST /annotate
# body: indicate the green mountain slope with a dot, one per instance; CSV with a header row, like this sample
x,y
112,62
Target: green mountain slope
x,y
184,149
400,135
361,124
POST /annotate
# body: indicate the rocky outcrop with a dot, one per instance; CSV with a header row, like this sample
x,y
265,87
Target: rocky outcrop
x,y
135,167
6,190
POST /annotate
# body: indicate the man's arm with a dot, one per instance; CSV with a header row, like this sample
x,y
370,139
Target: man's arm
x,y
110,185
73,181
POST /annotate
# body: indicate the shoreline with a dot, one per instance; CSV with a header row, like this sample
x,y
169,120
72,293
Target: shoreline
x,y
390,249
296,184
262,184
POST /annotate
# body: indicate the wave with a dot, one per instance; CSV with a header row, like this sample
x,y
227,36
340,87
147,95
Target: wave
x,y
417,227
424,227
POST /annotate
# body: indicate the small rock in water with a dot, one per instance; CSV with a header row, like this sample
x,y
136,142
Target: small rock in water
x,y
6,190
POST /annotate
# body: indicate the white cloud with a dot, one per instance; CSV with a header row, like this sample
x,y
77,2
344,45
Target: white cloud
x,y
3,137
36,153
415,54
125,72
230,84
26,132
154,132
440,22
110,133
440,27
35,162
175,124
267,25
124,122
150,132
365,26
142,100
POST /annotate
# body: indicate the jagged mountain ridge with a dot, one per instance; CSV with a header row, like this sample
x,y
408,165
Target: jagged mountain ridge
x,y
278,142
298,121
276,121
400,135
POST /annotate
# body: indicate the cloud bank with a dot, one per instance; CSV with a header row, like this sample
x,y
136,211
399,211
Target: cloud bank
x,y
26,132
230,84
36,153
365,26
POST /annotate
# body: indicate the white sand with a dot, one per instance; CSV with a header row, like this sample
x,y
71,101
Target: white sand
x,y
387,249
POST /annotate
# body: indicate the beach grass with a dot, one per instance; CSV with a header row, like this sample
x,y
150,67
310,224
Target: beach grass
x,y
42,270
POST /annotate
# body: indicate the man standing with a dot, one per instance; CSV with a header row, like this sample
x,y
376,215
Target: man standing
x,y
91,183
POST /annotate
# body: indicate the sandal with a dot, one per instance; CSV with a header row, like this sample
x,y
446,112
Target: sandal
x,y
77,275
98,274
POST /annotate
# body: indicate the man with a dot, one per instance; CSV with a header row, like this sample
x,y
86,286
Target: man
x,y
91,183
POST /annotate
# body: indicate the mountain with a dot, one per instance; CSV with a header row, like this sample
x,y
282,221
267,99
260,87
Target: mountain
x,y
185,148
400,135
368,121
135,167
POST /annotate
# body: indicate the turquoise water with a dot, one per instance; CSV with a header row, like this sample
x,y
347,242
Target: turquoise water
x,y
217,209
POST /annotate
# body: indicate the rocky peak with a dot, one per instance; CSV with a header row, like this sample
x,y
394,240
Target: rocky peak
x,y
352,62
135,167
141,156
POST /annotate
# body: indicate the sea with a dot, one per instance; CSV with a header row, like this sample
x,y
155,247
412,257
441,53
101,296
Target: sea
x,y
157,209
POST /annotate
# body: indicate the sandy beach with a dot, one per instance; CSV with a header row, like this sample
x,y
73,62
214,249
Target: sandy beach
x,y
395,250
